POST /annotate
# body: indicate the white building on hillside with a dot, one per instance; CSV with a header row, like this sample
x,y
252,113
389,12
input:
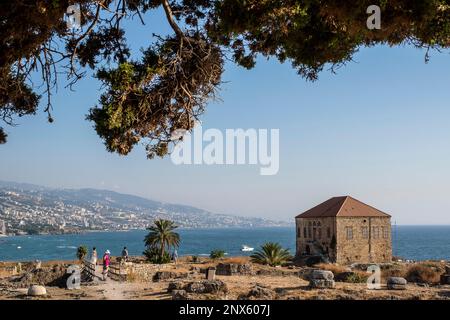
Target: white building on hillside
x,y
2,227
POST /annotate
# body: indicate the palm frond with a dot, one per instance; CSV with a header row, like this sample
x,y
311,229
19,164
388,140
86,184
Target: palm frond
x,y
271,254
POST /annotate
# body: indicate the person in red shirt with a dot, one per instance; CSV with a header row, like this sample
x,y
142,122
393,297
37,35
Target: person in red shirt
x,y
106,262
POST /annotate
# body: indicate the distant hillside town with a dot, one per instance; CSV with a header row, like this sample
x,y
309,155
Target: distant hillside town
x,y
30,209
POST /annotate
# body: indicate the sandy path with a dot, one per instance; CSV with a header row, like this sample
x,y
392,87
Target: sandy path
x,y
112,290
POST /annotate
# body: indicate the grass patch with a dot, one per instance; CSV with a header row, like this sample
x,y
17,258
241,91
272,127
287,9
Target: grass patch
x,y
356,277
236,260
424,273
336,269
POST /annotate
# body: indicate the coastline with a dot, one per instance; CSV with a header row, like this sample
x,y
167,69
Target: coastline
x,y
418,243
130,230
202,228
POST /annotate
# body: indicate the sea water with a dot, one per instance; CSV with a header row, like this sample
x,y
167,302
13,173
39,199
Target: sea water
x,y
410,242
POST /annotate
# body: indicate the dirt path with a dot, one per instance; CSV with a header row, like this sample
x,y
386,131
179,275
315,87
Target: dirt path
x,y
111,289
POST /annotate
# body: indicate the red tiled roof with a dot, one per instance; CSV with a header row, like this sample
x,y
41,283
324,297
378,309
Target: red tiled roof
x,y
345,206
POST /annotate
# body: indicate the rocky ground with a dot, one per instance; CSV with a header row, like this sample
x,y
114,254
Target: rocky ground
x,y
187,280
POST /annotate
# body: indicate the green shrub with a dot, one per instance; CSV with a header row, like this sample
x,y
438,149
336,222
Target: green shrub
x,y
356,277
154,256
82,252
272,254
217,254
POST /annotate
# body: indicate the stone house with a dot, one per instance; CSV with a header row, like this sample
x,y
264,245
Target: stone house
x,y
346,231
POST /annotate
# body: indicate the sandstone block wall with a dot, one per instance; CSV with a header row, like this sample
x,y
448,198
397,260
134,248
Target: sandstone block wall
x,y
370,241
358,239
318,229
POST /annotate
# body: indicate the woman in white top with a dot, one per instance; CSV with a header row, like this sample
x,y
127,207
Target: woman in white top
x,y
94,256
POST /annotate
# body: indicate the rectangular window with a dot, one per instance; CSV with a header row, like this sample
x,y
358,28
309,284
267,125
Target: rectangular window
x,y
319,233
299,235
328,232
376,232
309,233
365,232
385,231
304,232
349,233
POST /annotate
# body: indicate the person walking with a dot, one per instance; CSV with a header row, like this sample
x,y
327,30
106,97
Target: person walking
x,y
124,254
106,263
175,256
94,256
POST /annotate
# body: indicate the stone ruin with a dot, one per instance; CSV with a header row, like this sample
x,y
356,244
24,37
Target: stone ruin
x,y
211,274
231,269
322,279
189,290
169,275
396,283
445,278
36,290
259,291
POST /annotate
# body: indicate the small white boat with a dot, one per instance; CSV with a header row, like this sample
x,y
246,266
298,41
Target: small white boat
x,y
246,248
19,247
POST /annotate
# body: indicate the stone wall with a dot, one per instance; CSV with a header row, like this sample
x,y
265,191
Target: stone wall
x,y
317,229
8,270
363,240
147,272
233,269
144,271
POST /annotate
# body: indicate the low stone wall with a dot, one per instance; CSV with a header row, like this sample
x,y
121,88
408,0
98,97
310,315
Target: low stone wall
x,y
146,272
278,272
53,276
232,269
8,270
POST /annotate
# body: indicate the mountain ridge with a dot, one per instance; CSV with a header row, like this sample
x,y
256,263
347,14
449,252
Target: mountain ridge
x,y
38,209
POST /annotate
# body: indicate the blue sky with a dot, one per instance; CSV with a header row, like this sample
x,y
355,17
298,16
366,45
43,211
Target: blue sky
x,y
378,130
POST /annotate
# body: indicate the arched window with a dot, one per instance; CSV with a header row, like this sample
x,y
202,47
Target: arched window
x,y
318,224
314,223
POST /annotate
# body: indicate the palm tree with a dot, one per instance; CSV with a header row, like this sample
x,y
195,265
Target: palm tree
x,y
82,252
217,254
161,236
272,254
